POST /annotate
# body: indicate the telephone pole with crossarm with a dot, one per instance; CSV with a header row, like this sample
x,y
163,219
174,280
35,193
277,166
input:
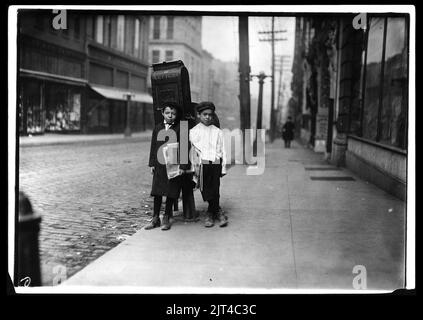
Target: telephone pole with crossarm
x,y
272,106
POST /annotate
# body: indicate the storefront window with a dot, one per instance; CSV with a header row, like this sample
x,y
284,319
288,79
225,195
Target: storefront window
x,y
92,115
32,107
63,105
103,116
373,74
98,116
385,95
75,114
394,110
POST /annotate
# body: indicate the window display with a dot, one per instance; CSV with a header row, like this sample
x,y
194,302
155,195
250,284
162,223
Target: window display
x,y
63,105
32,107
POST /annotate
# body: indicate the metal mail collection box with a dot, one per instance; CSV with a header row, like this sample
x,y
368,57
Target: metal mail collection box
x,y
170,83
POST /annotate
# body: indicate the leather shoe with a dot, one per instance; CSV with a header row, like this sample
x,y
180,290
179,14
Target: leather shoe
x,y
223,219
153,224
165,223
209,220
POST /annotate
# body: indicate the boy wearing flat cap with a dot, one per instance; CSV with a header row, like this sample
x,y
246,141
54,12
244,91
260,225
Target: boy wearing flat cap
x,y
208,142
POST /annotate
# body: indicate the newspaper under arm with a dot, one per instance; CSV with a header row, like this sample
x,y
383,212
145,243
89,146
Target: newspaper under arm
x,y
171,156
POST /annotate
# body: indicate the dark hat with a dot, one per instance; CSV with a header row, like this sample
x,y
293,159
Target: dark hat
x,y
205,105
171,104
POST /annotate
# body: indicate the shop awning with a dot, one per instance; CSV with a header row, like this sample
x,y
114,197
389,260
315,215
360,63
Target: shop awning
x,y
52,77
121,94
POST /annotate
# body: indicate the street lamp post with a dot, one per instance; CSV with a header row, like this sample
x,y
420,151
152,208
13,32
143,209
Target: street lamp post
x,y
128,132
261,76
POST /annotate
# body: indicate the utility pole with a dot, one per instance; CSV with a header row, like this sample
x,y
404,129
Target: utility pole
x,y
280,82
244,73
272,106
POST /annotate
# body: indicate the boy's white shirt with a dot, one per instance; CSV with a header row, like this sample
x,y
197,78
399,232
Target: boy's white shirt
x,y
167,125
209,141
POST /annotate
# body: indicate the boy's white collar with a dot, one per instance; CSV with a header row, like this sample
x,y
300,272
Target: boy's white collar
x,y
209,126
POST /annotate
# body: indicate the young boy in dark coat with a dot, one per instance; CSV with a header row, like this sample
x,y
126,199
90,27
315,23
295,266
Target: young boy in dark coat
x,y
162,186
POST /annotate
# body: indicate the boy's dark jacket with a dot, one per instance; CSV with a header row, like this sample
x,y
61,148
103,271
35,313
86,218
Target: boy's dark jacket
x,y
155,145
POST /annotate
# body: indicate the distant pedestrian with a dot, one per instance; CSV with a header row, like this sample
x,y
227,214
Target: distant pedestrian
x,y
208,147
288,132
162,185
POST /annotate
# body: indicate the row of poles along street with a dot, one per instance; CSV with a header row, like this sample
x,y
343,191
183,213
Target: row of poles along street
x,y
246,77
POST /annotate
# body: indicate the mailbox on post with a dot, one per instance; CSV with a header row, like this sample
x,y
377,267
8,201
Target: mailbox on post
x,y
170,83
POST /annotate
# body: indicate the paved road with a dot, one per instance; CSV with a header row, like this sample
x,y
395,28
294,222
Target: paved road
x,y
90,197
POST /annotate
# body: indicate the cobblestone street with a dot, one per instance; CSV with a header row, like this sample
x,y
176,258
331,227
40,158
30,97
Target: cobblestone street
x,y
91,197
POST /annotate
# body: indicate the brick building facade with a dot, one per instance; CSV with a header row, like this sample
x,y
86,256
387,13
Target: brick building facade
x,y
76,78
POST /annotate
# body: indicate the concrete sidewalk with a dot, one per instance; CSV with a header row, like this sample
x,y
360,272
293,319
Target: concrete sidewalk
x,y
57,138
286,231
